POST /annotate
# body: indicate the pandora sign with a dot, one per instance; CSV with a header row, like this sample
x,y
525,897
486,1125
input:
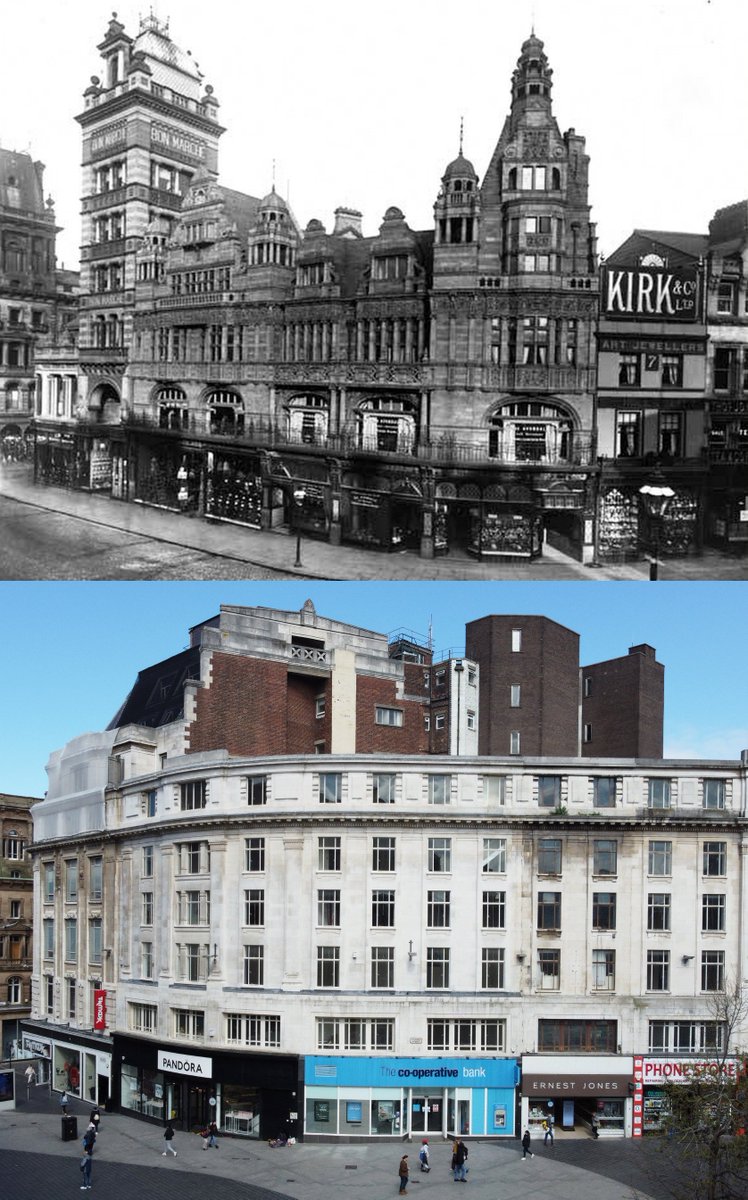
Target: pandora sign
x,y
652,294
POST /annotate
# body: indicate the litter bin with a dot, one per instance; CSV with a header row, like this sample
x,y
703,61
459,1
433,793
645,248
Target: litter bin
x,y
69,1129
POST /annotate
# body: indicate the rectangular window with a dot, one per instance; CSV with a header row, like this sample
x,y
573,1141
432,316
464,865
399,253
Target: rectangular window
x,y
328,853
383,909
48,931
254,906
94,940
715,858
193,795
629,370
515,693
383,854
388,716
319,707
587,733
470,719
328,967
603,970
725,363
726,297
437,910
603,910
549,791
714,793
189,1023
549,965
382,967
328,907
194,908
146,960
588,685
494,789
604,856
628,425
94,878
658,970
383,789
672,371
142,1017
254,854
494,910
658,793
439,789
658,912
549,856
71,880
604,791
440,720
254,966
713,914
514,742
440,854
492,968
146,863
253,1030
151,802
146,909
437,1035
49,883
549,910
257,789
712,970
71,940
516,641
330,789
437,967
660,858
494,856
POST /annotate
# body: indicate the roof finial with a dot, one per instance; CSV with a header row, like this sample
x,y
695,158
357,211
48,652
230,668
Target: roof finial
x,y
273,174
462,124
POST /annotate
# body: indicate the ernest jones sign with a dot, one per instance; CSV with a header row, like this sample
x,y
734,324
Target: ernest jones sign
x,y
651,294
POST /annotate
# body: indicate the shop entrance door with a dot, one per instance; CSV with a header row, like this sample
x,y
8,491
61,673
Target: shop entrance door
x,y
199,1112
427,1114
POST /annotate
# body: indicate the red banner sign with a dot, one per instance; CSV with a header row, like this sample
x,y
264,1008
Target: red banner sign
x,y
99,1021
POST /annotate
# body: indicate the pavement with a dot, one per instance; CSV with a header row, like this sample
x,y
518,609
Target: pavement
x,y
275,550
128,1164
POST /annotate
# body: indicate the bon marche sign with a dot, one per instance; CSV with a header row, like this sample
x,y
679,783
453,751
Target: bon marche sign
x,y
654,294
177,141
184,1064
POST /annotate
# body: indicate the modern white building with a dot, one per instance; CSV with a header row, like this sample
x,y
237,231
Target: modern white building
x,y
374,943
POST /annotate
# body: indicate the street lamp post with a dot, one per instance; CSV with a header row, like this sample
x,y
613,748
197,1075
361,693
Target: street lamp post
x,y
656,496
298,501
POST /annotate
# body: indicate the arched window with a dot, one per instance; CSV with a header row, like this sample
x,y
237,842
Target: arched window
x,y
387,423
530,431
173,412
511,181
308,419
14,989
226,411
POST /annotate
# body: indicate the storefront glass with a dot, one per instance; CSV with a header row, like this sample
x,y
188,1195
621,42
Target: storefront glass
x,y
241,1110
67,1070
142,1091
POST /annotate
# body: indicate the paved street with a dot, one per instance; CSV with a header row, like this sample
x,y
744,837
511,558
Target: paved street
x,y
52,533
36,1163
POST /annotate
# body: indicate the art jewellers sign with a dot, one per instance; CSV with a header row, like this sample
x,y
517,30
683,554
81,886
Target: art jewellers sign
x,y
654,294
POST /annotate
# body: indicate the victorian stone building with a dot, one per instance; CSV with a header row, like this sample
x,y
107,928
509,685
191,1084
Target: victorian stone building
x,y
16,917
430,390
36,299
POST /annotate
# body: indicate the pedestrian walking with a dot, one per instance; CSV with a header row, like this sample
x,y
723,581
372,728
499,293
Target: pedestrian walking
x,y
548,1131
30,1074
211,1136
168,1139
64,1101
460,1162
423,1155
403,1171
526,1145
95,1117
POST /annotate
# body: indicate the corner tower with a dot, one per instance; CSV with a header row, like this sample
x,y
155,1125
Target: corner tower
x,y
148,125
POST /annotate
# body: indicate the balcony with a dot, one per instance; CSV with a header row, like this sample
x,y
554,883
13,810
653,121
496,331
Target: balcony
x,y
443,448
195,301
112,249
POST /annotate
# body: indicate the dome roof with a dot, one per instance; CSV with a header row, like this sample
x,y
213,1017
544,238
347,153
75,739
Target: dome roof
x,y
315,226
460,168
394,214
533,45
273,200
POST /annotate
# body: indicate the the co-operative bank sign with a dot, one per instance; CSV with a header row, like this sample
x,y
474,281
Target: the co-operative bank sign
x,y
651,295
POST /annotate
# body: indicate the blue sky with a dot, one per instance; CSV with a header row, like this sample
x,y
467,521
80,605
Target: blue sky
x,y
72,650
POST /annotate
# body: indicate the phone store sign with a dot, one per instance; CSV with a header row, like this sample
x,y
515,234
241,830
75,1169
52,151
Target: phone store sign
x,y
651,295
691,1070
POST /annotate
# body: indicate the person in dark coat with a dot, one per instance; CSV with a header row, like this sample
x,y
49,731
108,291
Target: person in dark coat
x,y
403,1171
460,1162
526,1145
